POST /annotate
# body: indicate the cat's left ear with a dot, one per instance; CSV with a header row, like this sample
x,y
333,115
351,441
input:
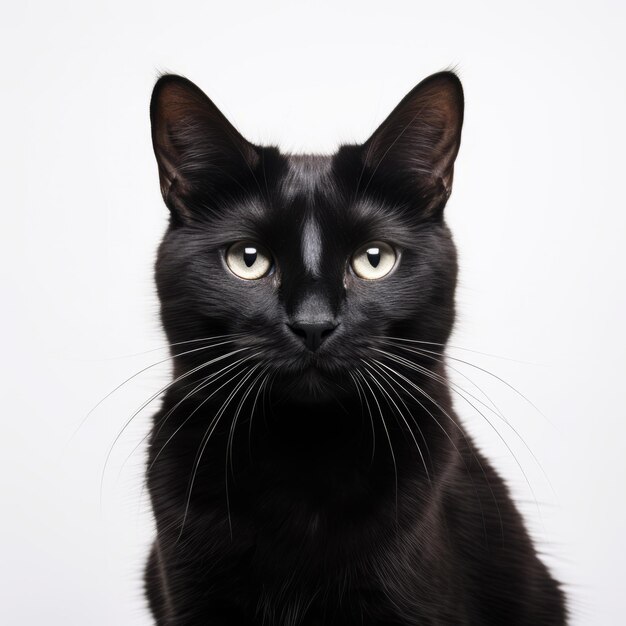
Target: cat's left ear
x,y
415,147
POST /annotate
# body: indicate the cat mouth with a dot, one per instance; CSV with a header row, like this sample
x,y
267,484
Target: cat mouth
x,y
312,383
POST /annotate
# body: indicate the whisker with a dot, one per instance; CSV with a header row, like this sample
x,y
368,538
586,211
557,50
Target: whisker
x,y
151,399
231,434
203,445
362,394
462,393
382,419
448,345
204,401
427,353
392,382
253,410
199,387
444,381
186,420
423,406
387,396
445,432
269,393
229,445
166,346
141,371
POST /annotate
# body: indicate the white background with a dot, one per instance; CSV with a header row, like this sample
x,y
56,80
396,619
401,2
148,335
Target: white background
x,y
537,212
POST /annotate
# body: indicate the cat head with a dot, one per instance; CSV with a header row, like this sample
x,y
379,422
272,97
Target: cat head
x,y
303,264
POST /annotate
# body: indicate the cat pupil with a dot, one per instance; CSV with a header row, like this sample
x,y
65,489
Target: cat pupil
x,y
373,256
249,256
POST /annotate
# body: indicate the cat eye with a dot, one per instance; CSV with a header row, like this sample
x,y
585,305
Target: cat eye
x,y
248,260
373,260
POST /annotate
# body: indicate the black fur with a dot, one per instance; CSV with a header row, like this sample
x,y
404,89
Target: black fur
x,y
333,486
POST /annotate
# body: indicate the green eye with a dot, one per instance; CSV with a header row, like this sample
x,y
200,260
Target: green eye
x,y
248,260
373,260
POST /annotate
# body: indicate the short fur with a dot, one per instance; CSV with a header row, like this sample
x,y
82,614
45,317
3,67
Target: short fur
x,y
334,485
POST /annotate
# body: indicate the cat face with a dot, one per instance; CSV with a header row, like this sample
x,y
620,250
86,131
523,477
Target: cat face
x,y
307,262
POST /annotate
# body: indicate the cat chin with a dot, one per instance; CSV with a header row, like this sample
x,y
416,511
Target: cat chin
x,y
310,386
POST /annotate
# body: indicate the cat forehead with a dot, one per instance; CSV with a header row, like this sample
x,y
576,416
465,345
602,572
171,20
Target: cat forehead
x,y
306,178
306,175
304,204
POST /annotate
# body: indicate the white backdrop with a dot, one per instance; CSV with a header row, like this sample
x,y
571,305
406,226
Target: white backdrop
x,y
537,212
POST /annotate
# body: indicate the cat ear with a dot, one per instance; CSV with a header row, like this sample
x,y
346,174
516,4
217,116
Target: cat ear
x,y
197,149
415,147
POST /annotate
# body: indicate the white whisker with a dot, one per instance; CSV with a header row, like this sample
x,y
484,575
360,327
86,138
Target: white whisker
x,y
204,443
382,419
386,395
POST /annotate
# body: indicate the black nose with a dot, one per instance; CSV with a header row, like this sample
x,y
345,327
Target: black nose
x,y
312,333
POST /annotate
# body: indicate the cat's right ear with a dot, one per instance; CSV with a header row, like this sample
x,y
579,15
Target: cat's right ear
x,y
197,149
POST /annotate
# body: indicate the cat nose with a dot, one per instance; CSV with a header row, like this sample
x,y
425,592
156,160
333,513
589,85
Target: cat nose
x,y
312,333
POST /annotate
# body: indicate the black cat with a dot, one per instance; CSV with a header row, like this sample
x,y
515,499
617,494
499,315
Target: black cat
x,y
307,466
